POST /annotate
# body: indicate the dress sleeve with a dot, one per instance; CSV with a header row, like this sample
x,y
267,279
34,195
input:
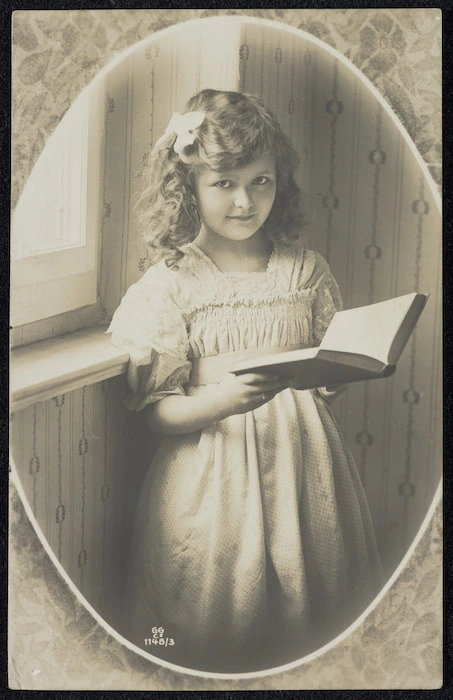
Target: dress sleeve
x,y
327,300
149,326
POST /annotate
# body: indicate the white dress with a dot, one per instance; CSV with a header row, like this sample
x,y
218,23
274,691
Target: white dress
x,y
253,542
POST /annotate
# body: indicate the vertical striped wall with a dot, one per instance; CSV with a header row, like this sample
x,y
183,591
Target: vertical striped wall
x,y
78,461
371,213
140,96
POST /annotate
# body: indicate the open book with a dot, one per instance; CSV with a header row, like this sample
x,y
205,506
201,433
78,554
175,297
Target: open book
x,y
361,343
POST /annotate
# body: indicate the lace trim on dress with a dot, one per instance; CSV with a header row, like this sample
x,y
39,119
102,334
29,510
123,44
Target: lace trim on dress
x,y
269,267
235,302
279,273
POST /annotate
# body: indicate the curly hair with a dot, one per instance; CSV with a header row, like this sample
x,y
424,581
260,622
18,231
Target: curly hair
x,y
237,129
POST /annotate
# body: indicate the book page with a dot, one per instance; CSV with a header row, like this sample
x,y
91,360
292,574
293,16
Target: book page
x,y
368,330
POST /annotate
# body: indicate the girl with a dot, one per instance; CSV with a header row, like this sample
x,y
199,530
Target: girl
x,y
253,542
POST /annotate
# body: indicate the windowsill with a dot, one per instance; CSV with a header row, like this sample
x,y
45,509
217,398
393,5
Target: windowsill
x,y
48,368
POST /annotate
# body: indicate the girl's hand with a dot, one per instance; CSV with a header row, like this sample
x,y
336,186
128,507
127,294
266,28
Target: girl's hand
x,y
245,392
331,392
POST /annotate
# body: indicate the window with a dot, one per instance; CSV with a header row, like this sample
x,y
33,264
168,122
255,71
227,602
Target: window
x,y
55,225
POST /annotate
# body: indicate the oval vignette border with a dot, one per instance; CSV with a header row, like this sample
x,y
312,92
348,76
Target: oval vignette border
x,y
127,667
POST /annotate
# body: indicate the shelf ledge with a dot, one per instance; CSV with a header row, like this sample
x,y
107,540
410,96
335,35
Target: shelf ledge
x,y
52,367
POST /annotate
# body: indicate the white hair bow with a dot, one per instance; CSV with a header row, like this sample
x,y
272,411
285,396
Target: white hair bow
x,y
182,125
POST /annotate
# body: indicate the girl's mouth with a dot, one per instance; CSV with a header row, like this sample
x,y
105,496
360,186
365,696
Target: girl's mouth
x,y
241,218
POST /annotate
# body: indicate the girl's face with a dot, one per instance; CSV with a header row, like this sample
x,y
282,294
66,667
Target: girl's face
x,y
234,204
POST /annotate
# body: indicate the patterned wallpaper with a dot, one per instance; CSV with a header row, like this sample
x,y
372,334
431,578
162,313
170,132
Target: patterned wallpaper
x,y
364,183
56,54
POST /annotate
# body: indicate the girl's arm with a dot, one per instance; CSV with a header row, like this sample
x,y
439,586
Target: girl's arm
x,y
179,415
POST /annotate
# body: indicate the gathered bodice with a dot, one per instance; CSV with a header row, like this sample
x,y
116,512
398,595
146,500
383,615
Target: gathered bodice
x,y
250,321
247,310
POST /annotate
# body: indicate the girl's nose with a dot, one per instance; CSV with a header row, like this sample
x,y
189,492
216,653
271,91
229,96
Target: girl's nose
x,y
242,199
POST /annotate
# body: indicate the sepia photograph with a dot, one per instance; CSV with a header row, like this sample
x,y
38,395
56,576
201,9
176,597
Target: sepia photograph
x,y
225,400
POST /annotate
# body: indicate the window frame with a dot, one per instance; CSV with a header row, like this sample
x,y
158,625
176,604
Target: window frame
x,y
66,278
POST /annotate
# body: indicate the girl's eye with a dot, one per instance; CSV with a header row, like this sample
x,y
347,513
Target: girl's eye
x,y
223,184
261,180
